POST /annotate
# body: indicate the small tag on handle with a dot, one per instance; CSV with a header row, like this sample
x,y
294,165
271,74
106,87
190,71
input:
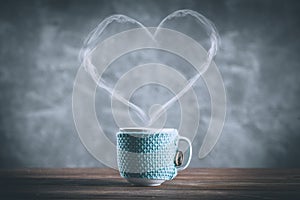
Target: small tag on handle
x,y
178,158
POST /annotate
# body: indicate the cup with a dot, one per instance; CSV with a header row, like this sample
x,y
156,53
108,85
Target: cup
x,y
149,157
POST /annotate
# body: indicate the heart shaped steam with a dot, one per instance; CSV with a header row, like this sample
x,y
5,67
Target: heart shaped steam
x,y
93,40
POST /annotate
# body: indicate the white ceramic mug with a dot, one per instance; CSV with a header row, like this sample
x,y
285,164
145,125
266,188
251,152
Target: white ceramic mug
x,y
150,156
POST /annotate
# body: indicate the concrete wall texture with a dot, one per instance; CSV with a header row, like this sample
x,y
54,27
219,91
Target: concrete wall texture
x,y
259,61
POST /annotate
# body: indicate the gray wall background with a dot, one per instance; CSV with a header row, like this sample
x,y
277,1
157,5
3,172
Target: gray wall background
x,y
259,60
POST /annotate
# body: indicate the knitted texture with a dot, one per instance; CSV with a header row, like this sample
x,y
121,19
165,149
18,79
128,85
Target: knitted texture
x,y
147,155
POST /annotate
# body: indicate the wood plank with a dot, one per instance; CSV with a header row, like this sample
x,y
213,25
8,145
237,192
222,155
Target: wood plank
x,y
189,184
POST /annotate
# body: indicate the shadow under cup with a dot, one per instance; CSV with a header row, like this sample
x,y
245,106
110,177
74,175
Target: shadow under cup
x,y
147,154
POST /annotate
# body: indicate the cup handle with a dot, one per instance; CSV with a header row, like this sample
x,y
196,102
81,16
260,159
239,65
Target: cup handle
x,y
190,153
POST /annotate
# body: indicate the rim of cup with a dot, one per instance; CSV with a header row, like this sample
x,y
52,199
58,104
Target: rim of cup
x,y
146,130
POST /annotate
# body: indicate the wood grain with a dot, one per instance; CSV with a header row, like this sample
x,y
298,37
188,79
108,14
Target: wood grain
x,y
189,184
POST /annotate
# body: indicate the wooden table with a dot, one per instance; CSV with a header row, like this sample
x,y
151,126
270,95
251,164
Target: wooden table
x,y
189,184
